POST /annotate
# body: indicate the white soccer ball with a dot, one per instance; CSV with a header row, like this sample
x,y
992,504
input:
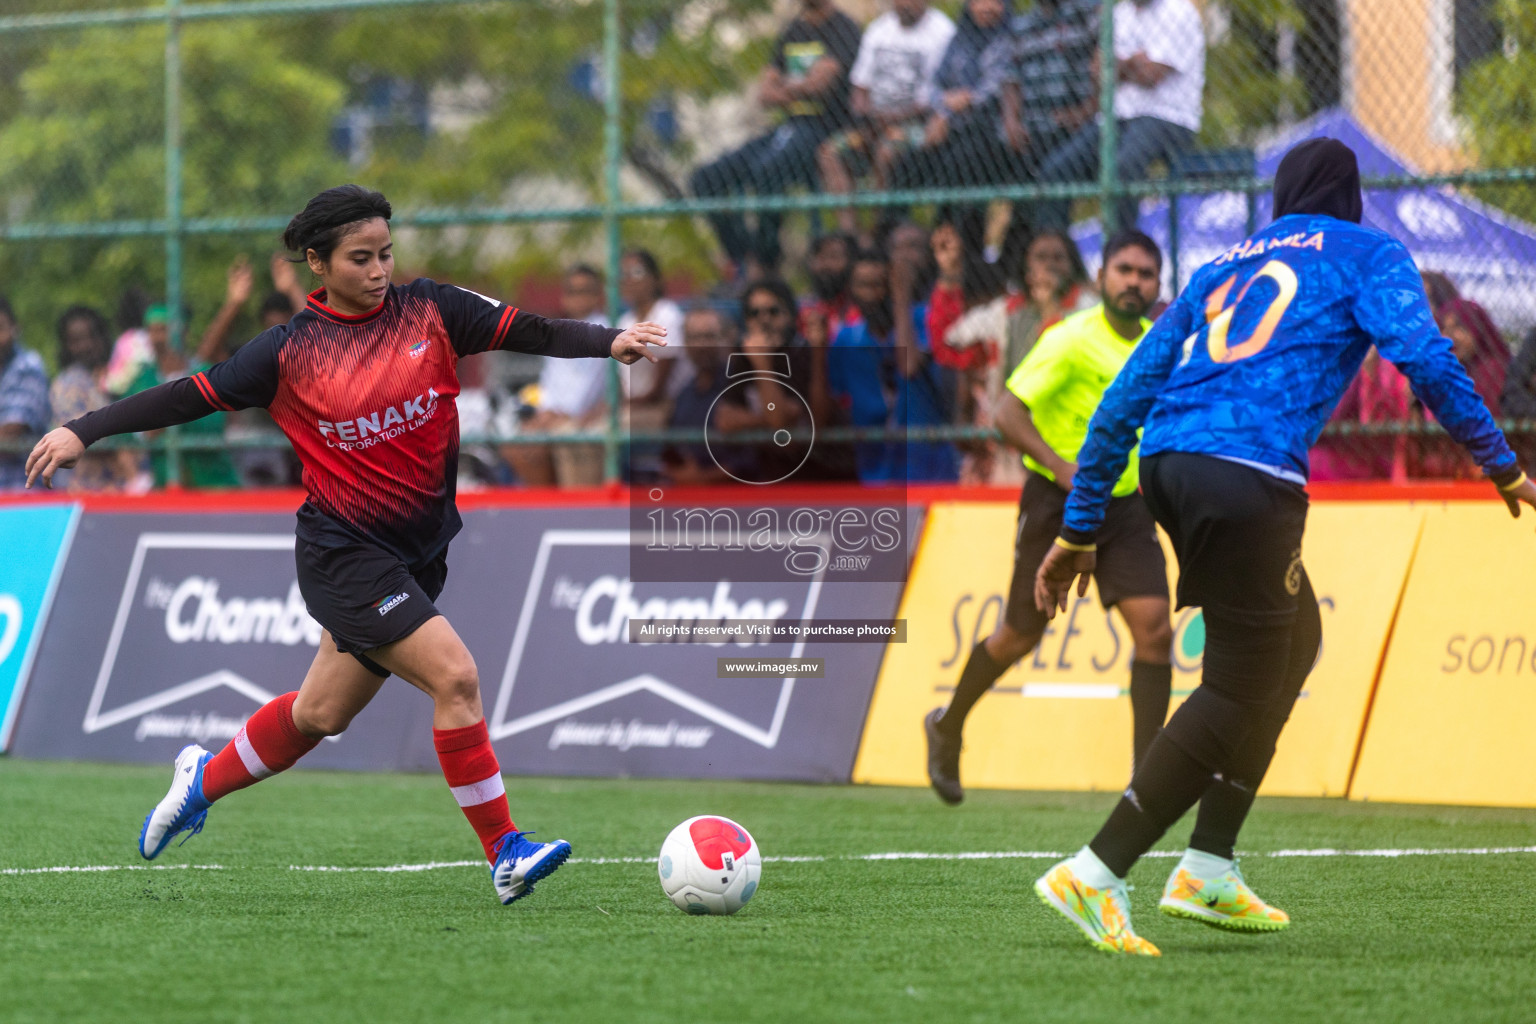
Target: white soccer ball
x,y
709,865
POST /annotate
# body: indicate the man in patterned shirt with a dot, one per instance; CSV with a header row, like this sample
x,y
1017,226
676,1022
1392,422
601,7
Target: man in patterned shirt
x,y
24,407
1043,71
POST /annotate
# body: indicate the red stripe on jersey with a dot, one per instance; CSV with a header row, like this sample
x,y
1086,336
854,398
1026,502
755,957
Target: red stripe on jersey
x,y
501,328
206,388
317,304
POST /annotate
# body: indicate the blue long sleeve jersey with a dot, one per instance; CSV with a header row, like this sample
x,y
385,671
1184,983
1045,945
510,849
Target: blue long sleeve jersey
x,y
1249,362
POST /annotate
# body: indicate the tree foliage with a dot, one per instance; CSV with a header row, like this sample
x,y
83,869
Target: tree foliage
x,y
82,130
1498,104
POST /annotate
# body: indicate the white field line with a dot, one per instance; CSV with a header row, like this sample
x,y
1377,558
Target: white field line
x,y
1473,851
112,867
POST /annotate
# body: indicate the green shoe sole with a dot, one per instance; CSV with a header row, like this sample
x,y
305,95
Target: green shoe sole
x,y
1226,924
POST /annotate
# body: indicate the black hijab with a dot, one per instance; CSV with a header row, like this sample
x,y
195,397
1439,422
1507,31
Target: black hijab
x,y
1319,176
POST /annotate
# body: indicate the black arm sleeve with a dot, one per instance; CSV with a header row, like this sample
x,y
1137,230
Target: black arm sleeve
x,y
164,405
479,323
564,339
247,378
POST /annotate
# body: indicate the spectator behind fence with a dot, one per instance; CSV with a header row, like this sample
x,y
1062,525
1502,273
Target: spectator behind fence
x,y
648,386
572,395
1439,288
708,341
272,463
967,320
962,141
24,408
828,265
1519,398
1043,74
1160,78
1378,395
80,387
908,246
801,405
806,82
881,374
251,431
131,351
1056,285
892,82
200,467
1484,354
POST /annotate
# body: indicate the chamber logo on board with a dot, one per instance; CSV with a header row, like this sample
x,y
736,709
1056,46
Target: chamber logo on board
x,y
209,626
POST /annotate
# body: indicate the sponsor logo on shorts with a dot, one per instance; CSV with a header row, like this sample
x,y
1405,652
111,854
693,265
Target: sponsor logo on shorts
x,y
386,604
1293,574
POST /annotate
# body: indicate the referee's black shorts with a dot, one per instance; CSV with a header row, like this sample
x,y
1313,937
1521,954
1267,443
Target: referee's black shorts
x,y
365,596
1236,531
1130,559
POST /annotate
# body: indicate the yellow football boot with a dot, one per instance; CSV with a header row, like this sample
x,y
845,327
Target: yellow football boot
x,y
1103,915
1222,901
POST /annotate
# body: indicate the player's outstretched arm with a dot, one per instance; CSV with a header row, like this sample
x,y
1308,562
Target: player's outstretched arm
x,y
246,379
165,405
635,343
58,449
1391,307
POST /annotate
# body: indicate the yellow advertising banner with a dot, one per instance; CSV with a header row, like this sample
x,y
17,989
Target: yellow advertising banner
x,y
1060,718
1454,709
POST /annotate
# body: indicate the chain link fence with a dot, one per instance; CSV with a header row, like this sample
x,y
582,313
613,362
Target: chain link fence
x,y
958,164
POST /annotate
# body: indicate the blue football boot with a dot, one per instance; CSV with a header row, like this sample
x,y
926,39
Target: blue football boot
x,y
519,863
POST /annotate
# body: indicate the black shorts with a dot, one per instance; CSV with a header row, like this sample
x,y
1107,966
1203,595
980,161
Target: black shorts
x,y
365,596
1236,532
1130,559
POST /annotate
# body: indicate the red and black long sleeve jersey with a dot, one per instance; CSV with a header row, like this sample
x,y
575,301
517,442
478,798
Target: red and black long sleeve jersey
x,y
367,403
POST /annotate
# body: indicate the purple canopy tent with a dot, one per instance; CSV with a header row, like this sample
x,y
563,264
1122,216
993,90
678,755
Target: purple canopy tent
x,y
1490,255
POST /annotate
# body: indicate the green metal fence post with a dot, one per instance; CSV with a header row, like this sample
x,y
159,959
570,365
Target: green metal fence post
x,y
173,210
612,153
1109,128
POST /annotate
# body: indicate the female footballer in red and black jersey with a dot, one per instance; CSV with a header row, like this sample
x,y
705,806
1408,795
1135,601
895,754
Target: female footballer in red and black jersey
x,y
362,382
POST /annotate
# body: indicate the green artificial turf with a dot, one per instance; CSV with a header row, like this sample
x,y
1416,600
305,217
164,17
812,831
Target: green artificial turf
x,y
1443,938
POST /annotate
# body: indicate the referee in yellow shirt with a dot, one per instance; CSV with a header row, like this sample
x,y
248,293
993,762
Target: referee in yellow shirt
x,y
1050,398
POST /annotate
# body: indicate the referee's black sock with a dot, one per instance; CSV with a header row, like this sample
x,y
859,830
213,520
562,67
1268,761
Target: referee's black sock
x,y
1150,686
1166,784
981,671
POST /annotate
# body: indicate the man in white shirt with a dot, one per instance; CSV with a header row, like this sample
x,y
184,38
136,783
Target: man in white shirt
x,y
892,80
571,399
1160,79
649,389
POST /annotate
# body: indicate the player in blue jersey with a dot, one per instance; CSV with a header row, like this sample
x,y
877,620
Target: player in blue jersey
x,y
1230,389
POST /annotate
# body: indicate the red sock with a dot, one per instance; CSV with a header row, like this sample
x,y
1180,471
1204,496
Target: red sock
x,y
469,765
268,743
